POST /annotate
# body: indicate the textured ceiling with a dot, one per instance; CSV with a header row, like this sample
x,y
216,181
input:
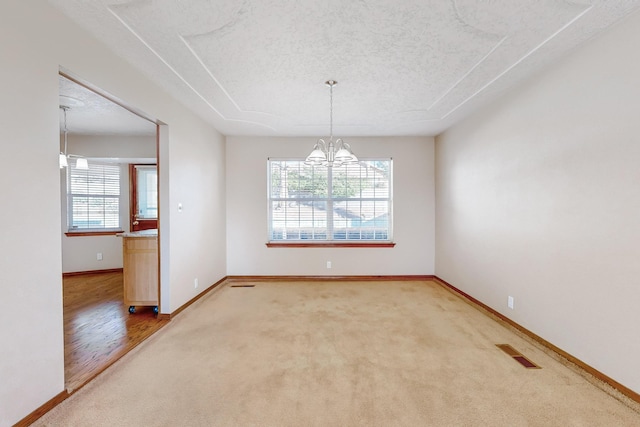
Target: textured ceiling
x,y
410,67
91,114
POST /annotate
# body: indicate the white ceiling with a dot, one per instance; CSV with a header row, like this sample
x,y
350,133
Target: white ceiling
x,y
404,67
91,114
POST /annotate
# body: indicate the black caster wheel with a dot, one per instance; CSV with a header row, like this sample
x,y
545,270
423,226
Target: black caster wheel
x,y
155,309
132,309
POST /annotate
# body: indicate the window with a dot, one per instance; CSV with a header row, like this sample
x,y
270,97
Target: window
x,y
93,197
147,191
351,203
143,197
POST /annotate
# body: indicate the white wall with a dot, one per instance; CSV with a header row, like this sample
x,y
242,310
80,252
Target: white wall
x,y
79,253
35,40
197,182
538,197
413,210
112,146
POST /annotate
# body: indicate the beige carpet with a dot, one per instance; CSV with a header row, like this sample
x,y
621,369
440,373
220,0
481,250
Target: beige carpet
x,y
337,354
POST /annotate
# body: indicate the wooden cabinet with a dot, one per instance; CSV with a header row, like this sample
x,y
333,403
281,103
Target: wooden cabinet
x,y
140,264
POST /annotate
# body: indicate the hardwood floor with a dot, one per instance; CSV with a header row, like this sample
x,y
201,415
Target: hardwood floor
x,y
98,328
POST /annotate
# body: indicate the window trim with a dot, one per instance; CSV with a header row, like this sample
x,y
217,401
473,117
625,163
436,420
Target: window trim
x,y
333,244
328,243
88,232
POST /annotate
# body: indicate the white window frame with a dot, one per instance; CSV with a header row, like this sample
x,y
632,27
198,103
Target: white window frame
x,y
330,201
97,172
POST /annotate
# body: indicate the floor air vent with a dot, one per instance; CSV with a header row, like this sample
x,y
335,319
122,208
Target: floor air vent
x,y
515,354
243,286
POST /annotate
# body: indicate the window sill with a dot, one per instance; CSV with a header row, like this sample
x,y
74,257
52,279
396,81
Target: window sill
x,y
331,245
92,233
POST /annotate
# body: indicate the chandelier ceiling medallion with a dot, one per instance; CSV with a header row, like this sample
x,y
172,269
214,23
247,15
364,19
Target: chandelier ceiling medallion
x,y
331,153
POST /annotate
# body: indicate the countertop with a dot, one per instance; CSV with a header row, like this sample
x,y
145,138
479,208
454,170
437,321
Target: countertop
x,y
143,233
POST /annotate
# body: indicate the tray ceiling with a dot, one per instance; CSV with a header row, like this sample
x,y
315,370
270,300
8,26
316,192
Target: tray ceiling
x,y
412,67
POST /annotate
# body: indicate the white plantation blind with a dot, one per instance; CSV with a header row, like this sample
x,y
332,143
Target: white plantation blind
x,y
347,203
93,195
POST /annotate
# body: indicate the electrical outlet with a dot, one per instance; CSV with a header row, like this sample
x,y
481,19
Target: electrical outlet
x,y
195,283
99,256
328,264
510,302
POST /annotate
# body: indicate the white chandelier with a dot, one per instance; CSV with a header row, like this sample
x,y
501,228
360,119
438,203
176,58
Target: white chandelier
x,y
330,153
62,159
81,162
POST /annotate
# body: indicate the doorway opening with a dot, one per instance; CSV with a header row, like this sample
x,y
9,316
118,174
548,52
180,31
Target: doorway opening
x,y
96,202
